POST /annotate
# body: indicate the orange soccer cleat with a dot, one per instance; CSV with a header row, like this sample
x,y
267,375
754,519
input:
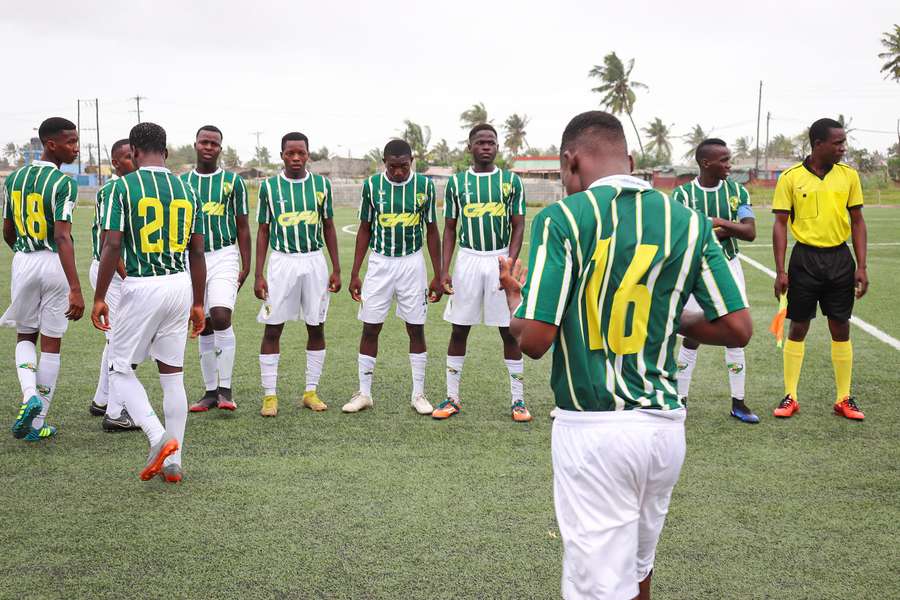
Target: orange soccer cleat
x,y
849,409
446,409
520,412
787,407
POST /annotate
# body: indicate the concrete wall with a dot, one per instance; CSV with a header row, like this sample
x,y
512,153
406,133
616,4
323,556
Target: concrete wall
x,y
537,191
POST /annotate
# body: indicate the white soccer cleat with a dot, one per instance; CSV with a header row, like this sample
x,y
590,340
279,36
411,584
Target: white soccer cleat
x,y
358,402
421,404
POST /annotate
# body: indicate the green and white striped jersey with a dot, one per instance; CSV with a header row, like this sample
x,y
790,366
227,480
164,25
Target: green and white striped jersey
x,y
156,212
295,210
612,267
483,203
99,203
38,195
723,202
223,197
396,212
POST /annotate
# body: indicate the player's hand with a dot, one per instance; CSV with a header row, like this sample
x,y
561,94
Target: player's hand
x,y
198,320
781,285
447,284
334,282
76,305
435,291
862,282
261,288
242,277
355,288
512,275
100,315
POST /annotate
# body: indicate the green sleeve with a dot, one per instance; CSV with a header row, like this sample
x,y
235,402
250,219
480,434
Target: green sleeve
x,y
517,199
328,201
550,278
199,224
679,196
113,210
715,288
239,193
451,199
743,195
66,198
262,204
7,200
430,202
366,210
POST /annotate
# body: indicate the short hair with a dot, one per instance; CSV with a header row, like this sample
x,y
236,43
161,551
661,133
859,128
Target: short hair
x,y
212,128
481,127
592,122
294,136
397,148
701,149
52,126
821,129
148,137
118,145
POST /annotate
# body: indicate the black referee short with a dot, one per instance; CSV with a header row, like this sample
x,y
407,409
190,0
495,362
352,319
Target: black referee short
x,y
821,275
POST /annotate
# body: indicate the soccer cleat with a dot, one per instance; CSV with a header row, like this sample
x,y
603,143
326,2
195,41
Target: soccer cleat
x,y
446,409
172,473
28,410
312,401
849,409
787,407
123,423
358,402
158,454
36,435
224,401
208,401
269,406
98,410
421,404
740,411
520,413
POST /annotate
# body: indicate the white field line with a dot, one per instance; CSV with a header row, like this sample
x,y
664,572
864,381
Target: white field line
x,y
349,229
867,327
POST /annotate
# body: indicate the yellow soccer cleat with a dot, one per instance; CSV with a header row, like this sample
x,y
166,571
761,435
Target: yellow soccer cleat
x,y
312,401
269,406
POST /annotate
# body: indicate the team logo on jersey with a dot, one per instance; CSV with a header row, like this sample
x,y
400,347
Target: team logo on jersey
x,y
733,202
394,219
227,188
307,217
494,209
506,189
214,209
320,198
420,199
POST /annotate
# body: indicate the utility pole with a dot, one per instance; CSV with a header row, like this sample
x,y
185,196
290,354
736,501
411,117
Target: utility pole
x,y
758,115
257,134
768,118
97,121
137,99
78,124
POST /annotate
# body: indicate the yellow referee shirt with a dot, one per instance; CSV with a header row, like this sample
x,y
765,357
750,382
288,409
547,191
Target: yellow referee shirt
x,y
818,206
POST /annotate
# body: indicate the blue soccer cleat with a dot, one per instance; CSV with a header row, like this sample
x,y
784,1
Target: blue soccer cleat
x,y
36,435
28,410
740,411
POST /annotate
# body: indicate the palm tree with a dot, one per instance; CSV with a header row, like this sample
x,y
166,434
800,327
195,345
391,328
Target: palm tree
x,y
11,151
780,146
693,140
473,116
801,144
891,41
658,140
418,137
845,125
743,147
617,88
515,133
440,154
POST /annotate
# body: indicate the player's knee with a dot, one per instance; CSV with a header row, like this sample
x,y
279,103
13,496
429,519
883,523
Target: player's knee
x,y
798,330
272,333
370,331
459,334
219,319
316,333
416,332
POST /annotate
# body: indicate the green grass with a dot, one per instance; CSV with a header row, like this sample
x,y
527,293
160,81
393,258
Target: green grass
x,y
388,504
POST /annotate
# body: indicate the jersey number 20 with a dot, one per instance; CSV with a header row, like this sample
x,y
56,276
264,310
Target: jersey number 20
x,y
180,212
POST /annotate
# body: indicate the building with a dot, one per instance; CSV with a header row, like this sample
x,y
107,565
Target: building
x,y
541,167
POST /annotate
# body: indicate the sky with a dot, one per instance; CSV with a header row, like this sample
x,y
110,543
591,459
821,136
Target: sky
x,y
348,73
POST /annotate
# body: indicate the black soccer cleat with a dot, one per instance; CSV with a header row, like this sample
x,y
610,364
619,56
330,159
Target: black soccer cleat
x,y
123,423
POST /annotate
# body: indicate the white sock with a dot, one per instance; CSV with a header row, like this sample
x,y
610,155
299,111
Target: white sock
x,y
366,366
736,364
26,368
101,395
268,369
48,371
114,404
687,360
516,369
418,362
127,386
315,360
225,349
176,409
454,375
207,346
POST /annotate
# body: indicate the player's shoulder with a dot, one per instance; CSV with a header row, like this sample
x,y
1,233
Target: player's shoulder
x,y
186,176
792,171
320,180
423,180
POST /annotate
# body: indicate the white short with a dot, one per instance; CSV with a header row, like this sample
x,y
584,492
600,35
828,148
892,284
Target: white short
x,y
477,296
151,321
613,474
400,278
298,289
113,292
735,265
223,267
40,295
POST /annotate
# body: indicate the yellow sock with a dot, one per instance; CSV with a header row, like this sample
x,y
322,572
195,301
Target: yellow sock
x,y
842,360
793,361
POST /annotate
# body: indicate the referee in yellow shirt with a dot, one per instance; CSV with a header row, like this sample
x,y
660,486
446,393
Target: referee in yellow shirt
x,y
822,199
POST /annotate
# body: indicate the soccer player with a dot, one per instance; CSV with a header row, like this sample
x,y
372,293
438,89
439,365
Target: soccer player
x,y
46,292
612,265
490,203
822,199
112,409
727,204
152,219
395,204
296,219
223,196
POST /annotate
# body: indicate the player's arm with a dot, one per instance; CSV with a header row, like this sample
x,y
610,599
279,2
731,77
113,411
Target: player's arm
x,y
9,232
65,249
197,261
261,287
110,254
782,204
363,235
744,230
517,218
330,234
534,337
242,209
860,242
449,247
433,239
